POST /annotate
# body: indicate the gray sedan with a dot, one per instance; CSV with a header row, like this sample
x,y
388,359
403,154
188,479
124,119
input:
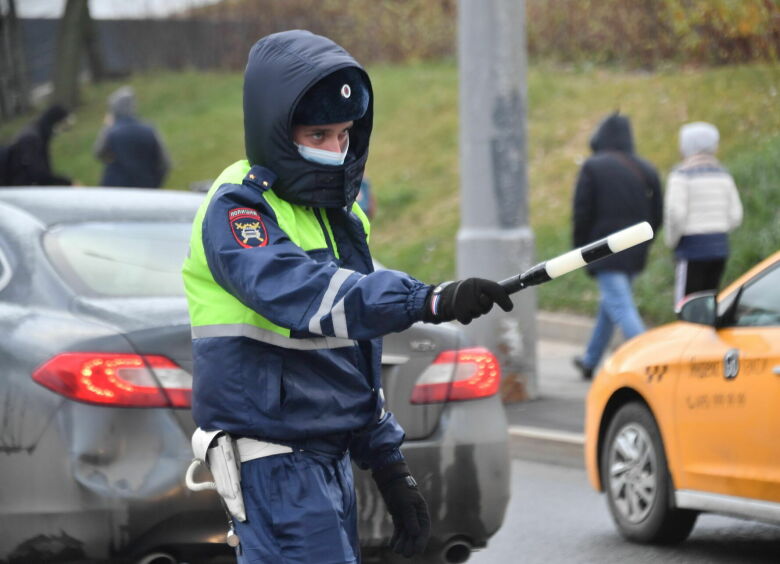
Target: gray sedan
x,y
95,388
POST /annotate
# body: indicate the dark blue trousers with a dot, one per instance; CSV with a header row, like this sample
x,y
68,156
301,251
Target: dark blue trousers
x,y
300,509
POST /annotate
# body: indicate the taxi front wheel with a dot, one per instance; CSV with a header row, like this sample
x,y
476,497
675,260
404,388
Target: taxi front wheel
x,y
637,480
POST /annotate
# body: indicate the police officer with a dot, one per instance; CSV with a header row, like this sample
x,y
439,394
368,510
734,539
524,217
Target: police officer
x,y
288,313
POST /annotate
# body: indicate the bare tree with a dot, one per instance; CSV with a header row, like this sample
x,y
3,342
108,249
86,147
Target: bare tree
x,y
77,36
14,89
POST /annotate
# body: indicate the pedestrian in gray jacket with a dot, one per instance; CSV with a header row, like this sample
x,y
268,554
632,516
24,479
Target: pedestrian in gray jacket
x,y
701,207
133,153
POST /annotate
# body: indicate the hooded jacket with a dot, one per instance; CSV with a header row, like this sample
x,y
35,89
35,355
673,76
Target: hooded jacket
x,y
133,152
281,69
287,312
615,189
28,162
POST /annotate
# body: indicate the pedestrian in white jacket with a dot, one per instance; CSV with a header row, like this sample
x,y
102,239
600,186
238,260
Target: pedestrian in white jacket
x,y
701,207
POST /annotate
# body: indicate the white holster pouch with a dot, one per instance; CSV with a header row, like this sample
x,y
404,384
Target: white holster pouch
x,y
216,450
224,456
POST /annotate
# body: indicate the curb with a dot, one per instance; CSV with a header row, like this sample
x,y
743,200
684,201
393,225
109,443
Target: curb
x,y
570,328
547,445
563,327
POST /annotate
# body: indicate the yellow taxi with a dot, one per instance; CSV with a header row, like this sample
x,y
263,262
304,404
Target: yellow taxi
x,y
685,418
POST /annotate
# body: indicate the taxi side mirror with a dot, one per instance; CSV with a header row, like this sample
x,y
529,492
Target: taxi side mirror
x,y
698,308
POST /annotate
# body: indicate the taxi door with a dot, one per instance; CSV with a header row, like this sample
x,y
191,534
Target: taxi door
x,y
727,402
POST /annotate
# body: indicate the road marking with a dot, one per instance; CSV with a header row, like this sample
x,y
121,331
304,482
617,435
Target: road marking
x,y
546,434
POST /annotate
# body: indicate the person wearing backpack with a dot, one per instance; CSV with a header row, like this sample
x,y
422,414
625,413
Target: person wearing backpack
x,y
615,189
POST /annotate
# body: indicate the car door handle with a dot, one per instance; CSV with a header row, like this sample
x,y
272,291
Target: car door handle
x,y
776,370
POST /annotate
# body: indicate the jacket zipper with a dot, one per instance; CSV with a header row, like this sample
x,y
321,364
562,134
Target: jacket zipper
x,y
328,242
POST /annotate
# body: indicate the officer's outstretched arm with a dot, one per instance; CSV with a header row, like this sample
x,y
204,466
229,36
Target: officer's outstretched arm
x,y
252,257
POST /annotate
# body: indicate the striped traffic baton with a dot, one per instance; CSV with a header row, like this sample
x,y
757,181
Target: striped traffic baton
x,y
560,265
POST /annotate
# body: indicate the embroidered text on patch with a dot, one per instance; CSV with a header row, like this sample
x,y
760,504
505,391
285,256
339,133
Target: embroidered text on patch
x,y
248,227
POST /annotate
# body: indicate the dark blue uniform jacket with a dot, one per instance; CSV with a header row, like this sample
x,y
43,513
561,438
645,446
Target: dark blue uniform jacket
x,y
321,387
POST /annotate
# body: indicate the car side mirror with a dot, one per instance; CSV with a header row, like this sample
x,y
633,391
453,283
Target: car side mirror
x,y
700,308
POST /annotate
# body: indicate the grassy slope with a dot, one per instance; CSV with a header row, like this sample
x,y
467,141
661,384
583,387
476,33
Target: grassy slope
x,y
414,161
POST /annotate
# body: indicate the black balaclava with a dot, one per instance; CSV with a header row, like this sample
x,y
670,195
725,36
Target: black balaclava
x,y
281,70
613,134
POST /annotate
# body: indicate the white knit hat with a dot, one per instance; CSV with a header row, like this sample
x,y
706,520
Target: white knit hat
x,y
698,137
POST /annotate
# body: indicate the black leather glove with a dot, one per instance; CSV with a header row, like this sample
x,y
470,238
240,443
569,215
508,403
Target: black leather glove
x,y
411,522
464,300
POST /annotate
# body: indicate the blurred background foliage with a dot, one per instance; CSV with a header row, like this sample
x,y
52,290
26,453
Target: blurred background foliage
x,y
372,30
649,33
635,33
661,62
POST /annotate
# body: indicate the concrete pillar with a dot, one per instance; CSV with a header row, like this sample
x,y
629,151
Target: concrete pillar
x,y
495,240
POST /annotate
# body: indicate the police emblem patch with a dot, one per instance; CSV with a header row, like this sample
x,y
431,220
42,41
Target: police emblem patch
x,y
248,227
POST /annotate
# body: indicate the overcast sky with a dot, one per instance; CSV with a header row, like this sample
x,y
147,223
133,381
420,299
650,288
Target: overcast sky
x,y
107,9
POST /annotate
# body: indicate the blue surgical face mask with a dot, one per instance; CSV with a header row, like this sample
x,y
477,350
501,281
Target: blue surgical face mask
x,y
321,156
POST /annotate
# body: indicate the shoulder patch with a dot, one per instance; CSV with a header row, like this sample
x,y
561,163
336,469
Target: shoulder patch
x,y
248,227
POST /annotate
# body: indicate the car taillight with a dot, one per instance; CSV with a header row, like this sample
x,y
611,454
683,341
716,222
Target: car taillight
x,y
458,375
120,380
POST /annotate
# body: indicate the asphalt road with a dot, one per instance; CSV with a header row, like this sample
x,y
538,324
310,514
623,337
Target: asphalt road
x,y
554,516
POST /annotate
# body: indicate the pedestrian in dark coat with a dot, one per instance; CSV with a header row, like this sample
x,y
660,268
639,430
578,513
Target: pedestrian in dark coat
x,y
615,189
28,160
133,153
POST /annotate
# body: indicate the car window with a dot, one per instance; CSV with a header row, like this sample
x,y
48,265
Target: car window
x,y
759,302
123,259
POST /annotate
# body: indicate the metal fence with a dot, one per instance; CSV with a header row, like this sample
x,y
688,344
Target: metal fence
x,y
137,45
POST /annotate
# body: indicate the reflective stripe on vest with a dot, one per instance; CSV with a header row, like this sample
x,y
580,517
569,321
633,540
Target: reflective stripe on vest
x,y
269,337
214,312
